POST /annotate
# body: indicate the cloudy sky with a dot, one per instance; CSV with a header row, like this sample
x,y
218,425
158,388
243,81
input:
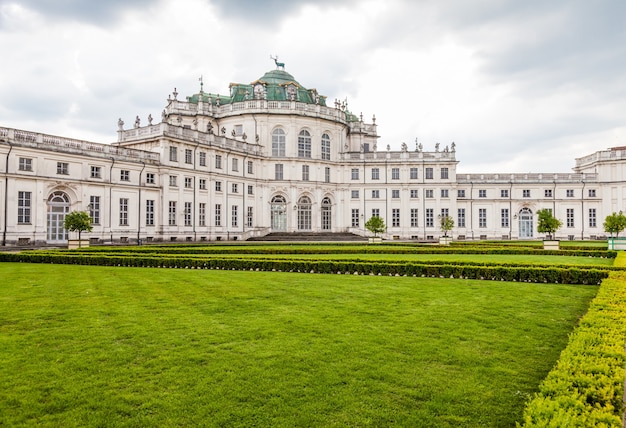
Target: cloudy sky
x,y
519,86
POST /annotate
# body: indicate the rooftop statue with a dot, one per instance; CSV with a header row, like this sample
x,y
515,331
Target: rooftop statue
x,y
279,65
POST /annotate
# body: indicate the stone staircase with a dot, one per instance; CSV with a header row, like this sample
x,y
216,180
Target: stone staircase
x,y
310,237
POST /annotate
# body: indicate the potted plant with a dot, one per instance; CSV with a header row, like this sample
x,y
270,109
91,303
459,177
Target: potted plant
x,y
548,224
77,221
446,224
614,224
375,225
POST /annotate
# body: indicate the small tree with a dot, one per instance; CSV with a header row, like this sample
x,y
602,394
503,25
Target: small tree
x,y
376,225
614,223
446,224
547,223
78,221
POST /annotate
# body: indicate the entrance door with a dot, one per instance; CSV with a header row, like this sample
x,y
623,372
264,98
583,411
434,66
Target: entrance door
x,y
279,214
58,207
525,223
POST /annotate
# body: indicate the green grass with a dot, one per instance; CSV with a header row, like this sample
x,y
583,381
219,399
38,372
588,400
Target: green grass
x,y
98,346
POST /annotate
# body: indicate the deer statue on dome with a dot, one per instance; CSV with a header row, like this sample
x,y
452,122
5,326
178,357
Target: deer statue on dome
x,y
279,65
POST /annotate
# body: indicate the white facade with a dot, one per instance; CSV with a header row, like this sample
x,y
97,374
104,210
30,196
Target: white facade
x,y
272,156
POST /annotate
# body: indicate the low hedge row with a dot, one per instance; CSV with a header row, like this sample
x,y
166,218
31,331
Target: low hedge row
x,y
586,387
499,273
372,249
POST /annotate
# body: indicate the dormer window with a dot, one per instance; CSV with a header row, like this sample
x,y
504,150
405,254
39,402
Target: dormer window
x,y
258,91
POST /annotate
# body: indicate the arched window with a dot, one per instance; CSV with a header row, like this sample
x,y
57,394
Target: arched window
x,y
278,142
58,207
525,223
279,213
304,144
326,214
325,147
304,213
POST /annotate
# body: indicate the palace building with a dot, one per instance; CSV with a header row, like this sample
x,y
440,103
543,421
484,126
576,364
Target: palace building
x,y
274,156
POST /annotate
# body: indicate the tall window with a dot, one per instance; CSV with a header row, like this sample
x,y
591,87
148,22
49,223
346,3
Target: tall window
x,y
234,218
202,214
218,186
250,167
354,194
327,208
327,174
414,193
23,207
395,217
304,144
482,217
504,217
325,147
429,193
413,173
188,156
355,174
375,212
235,164
202,158
429,173
278,142
250,189
173,154
123,211
569,193
278,171
305,173
460,193
249,217
592,217
355,217
444,173
444,193
482,193
414,217
375,173
395,173
218,214
234,188
218,162
149,212
304,213
569,217
547,193
430,217
188,183
592,193
375,194
172,213
26,164
460,217
395,194
173,181
124,175
94,209
188,214
202,183
150,178
526,193
504,193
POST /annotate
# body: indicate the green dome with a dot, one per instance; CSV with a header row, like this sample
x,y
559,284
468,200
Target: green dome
x,y
277,77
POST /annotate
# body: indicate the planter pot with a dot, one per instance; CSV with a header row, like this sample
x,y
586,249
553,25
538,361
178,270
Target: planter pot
x,y
445,240
551,244
617,243
72,244
375,240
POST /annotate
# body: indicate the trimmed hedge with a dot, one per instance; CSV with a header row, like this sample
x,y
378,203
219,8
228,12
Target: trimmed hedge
x,y
586,387
567,275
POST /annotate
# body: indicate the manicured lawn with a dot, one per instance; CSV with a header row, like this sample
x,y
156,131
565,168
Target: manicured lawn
x,y
99,346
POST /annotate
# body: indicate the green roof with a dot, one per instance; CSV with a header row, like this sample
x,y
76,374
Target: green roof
x,y
276,85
